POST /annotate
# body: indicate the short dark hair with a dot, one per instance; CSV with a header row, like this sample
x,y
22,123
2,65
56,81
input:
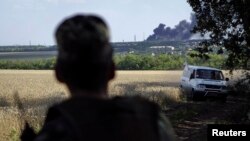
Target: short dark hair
x,y
84,52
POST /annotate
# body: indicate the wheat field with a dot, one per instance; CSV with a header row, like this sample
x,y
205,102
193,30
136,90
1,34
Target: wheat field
x,y
38,89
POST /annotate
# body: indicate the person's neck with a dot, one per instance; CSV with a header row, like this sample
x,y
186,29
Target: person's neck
x,y
87,93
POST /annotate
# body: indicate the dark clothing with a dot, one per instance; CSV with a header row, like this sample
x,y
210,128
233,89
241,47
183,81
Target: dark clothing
x,y
93,119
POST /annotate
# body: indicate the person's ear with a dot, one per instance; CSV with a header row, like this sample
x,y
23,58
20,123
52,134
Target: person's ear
x,y
112,71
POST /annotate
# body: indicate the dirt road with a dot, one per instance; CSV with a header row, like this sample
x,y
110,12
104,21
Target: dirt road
x,y
190,119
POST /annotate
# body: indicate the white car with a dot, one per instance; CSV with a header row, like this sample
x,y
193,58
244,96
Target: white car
x,y
201,82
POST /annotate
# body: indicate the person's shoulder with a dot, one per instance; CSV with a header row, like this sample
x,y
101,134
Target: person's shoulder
x,y
133,100
115,105
148,109
56,127
137,105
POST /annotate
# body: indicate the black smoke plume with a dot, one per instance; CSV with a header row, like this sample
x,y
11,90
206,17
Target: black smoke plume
x,y
180,32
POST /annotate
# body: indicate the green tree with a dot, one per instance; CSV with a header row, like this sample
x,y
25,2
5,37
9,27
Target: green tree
x,y
227,24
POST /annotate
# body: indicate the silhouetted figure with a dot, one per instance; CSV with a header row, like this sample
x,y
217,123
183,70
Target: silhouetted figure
x,y
85,65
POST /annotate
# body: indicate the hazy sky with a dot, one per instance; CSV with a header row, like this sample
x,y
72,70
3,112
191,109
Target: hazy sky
x,y
25,21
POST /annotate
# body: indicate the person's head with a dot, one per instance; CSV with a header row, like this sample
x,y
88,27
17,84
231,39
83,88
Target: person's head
x,y
84,53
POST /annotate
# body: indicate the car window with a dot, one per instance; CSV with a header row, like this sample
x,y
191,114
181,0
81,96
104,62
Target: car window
x,y
192,75
209,74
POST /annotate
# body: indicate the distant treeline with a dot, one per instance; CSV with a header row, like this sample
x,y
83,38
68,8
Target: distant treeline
x,y
164,62
26,48
34,64
125,62
139,46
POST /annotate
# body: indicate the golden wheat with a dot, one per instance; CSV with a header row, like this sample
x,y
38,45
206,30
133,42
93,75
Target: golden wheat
x,y
39,89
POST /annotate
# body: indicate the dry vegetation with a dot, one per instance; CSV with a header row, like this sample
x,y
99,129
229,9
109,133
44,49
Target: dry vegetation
x,y
39,89
158,86
36,89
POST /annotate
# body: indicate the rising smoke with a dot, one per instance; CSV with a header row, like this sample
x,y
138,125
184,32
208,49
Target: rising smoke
x,y
180,32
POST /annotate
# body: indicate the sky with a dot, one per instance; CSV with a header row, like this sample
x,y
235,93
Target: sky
x,y
24,22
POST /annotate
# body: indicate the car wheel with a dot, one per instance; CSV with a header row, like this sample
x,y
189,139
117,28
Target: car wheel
x,y
223,99
182,93
192,95
188,96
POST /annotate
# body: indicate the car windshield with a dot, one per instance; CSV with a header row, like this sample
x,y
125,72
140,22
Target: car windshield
x,y
209,74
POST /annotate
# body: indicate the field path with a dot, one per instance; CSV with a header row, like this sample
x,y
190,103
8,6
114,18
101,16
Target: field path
x,y
192,126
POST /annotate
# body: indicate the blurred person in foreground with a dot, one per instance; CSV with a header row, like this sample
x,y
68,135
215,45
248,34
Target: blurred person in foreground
x,y
85,65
